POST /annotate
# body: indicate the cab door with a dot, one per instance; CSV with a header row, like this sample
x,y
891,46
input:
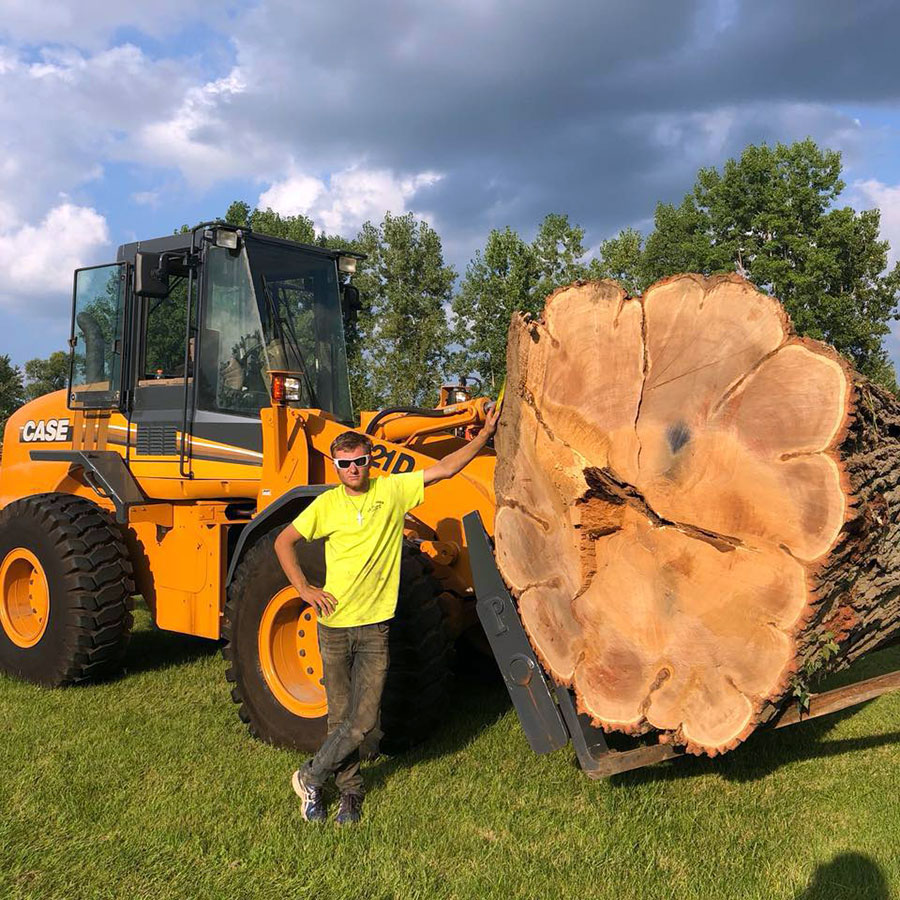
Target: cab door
x,y
97,339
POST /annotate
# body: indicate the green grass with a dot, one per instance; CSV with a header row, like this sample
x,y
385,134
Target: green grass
x,y
149,786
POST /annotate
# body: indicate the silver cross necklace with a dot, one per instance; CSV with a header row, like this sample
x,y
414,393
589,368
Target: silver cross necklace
x,y
359,509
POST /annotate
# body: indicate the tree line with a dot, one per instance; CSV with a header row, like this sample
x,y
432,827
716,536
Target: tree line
x,y
772,215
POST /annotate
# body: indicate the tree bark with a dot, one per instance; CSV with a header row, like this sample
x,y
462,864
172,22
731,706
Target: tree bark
x,y
698,511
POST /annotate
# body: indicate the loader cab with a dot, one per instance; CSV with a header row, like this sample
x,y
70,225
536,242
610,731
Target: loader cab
x,y
181,333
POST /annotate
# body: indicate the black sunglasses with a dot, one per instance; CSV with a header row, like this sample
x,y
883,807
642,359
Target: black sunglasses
x,y
359,461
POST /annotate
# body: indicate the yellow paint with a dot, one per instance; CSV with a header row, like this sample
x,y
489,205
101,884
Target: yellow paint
x,y
289,654
162,514
285,453
25,599
183,529
187,568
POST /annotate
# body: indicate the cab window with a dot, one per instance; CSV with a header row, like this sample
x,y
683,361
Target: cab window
x,y
165,331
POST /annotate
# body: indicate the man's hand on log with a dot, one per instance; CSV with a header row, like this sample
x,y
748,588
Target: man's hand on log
x,y
490,422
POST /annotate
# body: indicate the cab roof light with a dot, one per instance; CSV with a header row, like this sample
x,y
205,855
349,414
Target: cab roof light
x,y
347,264
227,239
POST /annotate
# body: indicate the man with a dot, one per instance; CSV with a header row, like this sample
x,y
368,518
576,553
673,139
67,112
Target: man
x,y
362,522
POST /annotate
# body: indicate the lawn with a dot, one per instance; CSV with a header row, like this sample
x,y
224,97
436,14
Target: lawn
x,y
150,787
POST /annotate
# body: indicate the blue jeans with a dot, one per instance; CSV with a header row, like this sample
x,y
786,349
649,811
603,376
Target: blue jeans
x,y
355,664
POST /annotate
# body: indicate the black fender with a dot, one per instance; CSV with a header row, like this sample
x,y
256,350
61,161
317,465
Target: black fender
x,y
104,471
276,515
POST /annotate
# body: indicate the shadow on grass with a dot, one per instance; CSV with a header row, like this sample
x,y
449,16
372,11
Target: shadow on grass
x,y
853,876
151,649
766,751
477,701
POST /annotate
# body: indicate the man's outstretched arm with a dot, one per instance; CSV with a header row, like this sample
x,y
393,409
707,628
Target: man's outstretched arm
x,y
459,459
320,600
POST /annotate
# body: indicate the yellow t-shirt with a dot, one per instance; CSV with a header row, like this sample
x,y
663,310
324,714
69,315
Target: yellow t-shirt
x,y
364,541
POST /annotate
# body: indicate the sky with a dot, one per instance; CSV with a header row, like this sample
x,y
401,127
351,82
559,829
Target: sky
x,y
125,121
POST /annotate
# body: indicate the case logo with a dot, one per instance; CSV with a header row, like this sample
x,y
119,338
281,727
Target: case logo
x,y
46,430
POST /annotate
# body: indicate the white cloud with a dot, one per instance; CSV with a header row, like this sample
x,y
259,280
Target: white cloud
x,y
37,261
887,198
196,139
65,117
295,195
88,23
348,198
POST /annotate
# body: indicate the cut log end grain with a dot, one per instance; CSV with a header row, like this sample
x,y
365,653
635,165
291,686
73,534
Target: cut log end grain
x,y
672,483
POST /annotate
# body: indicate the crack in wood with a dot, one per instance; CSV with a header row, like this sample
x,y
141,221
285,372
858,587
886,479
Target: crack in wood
x,y
645,369
509,503
603,484
736,386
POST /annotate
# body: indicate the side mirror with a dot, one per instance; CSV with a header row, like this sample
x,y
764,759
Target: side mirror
x,y
150,279
350,303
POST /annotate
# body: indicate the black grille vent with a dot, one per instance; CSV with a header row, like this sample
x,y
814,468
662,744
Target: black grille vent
x,y
156,440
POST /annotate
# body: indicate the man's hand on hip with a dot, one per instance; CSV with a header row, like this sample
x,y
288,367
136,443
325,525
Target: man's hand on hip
x,y
321,601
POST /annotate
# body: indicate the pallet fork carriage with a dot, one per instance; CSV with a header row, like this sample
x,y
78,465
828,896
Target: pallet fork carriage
x,y
546,710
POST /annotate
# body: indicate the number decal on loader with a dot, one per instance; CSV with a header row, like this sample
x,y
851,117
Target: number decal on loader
x,y
384,459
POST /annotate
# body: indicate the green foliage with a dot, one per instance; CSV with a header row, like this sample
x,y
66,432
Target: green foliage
x,y
12,390
814,669
408,289
621,259
166,330
499,281
267,221
239,214
510,276
43,376
771,215
558,249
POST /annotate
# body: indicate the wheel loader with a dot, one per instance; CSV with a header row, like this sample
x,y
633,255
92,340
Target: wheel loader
x,y
208,377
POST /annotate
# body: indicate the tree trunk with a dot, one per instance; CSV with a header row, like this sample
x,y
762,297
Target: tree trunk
x,y
698,511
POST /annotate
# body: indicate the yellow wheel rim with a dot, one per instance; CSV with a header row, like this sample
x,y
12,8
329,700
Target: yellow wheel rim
x,y
25,602
289,655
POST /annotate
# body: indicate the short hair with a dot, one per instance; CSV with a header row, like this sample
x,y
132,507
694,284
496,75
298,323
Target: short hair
x,y
350,439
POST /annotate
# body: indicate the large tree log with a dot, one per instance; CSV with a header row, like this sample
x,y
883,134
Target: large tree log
x,y
697,509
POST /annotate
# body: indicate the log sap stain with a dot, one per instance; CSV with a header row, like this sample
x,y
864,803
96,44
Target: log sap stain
x,y
677,436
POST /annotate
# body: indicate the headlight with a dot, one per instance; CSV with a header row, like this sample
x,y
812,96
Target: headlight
x,y
284,388
227,240
291,388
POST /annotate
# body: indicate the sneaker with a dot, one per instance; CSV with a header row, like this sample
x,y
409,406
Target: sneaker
x,y
312,805
350,809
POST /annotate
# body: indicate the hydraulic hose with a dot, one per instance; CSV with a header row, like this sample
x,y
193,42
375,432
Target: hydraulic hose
x,y
406,410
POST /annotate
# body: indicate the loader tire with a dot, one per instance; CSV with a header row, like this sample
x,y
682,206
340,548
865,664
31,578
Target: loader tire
x,y
418,683
65,591
278,690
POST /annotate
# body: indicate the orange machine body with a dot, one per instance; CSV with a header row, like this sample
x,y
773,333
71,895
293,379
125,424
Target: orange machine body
x,y
179,538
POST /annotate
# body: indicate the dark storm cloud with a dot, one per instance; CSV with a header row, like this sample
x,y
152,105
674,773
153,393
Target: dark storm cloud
x,y
817,50
594,109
